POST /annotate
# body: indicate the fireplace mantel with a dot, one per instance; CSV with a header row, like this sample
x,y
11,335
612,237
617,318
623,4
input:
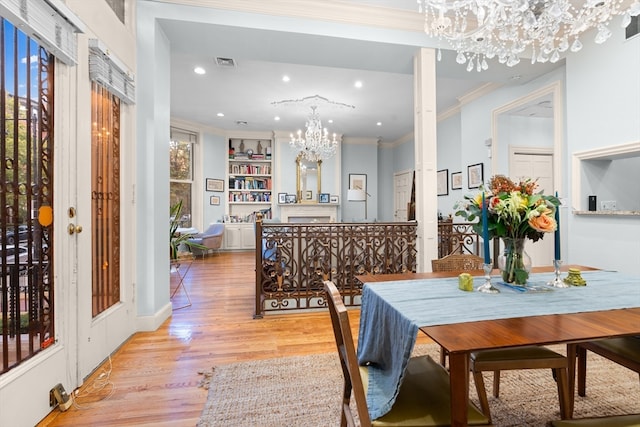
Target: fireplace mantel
x,y
309,212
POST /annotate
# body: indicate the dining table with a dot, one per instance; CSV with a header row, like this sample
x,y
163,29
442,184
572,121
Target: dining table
x,y
396,307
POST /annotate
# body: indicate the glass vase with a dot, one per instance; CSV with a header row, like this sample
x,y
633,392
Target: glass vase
x,y
514,262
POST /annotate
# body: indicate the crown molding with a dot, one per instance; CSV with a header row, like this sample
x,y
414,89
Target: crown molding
x,y
323,10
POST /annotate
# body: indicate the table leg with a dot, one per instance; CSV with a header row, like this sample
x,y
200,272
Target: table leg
x,y
571,372
459,374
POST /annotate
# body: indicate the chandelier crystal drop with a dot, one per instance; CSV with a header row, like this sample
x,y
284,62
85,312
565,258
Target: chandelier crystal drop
x,y
316,144
504,29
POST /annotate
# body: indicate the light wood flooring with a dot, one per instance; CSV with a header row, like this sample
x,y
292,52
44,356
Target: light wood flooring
x,y
154,377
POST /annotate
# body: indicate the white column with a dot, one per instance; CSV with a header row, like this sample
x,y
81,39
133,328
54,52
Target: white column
x,y
425,122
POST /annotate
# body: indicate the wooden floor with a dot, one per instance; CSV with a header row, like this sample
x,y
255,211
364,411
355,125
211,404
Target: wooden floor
x,y
155,374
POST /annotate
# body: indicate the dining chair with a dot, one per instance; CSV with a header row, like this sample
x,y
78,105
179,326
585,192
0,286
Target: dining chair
x,y
624,351
516,358
457,262
423,399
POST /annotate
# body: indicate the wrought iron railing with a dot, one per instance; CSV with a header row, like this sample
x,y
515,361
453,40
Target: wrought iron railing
x,y
457,238
293,260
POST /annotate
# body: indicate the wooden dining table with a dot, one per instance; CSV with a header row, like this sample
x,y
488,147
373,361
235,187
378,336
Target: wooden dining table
x,y
459,336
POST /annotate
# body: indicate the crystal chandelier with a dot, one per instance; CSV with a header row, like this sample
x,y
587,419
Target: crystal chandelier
x,y
316,144
484,29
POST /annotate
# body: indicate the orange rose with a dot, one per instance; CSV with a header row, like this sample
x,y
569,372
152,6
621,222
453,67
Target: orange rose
x,y
543,223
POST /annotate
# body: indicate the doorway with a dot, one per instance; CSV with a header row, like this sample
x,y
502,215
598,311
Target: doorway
x,y
402,183
536,164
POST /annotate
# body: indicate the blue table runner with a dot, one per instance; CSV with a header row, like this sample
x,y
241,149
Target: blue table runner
x,y
392,312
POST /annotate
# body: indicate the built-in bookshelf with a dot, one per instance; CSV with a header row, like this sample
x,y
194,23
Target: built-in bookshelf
x,y
250,179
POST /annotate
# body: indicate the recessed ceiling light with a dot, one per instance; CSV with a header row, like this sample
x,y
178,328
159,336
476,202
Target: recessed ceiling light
x,y
199,70
285,78
330,120
379,124
220,114
276,118
358,84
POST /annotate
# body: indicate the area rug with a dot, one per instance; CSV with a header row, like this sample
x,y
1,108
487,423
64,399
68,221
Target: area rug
x,y
305,391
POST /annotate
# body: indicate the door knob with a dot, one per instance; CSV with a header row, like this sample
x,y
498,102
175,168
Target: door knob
x,y
72,228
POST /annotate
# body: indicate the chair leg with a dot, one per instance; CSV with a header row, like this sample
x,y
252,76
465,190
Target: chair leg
x,y
582,371
482,394
496,383
563,393
443,357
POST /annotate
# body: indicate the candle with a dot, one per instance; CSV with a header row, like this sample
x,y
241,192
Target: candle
x,y
557,233
485,232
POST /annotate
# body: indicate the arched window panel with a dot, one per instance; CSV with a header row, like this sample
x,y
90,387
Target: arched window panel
x,y
50,22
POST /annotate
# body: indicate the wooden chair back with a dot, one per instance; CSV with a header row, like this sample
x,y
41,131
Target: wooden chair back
x,y
348,360
457,262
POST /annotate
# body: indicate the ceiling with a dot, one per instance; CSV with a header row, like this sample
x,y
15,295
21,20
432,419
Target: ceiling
x,y
317,65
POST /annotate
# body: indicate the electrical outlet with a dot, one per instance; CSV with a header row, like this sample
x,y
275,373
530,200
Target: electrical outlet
x,y
608,205
58,395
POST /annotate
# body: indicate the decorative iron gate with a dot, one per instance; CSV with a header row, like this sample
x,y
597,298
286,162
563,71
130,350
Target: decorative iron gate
x,y
26,197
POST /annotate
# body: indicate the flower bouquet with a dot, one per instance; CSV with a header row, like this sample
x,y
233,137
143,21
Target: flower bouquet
x,y
514,213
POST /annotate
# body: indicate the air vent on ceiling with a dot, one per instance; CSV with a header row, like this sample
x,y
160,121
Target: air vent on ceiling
x,y
225,62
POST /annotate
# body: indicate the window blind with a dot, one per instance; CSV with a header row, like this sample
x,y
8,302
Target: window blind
x,y
50,22
106,69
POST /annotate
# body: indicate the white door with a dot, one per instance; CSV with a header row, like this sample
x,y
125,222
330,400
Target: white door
x,y
402,183
536,166
105,310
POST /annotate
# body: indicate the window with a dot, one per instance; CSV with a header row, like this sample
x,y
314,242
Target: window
x,y
181,149
633,28
105,198
26,194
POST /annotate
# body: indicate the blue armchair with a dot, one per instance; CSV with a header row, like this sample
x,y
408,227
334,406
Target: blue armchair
x,y
211,238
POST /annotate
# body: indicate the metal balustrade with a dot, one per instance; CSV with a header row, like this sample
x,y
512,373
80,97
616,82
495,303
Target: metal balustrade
x,y
293,259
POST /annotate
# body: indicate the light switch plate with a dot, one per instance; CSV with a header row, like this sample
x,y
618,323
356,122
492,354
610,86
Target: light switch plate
x,y
608,205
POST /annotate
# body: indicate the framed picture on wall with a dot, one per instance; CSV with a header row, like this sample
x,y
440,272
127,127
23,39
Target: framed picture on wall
x,y
290,198
334,199
443,182
282,198
214,184
475,175
323,198
456,180
214,200
358,181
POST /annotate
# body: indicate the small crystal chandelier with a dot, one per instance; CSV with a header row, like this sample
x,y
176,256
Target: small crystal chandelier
x,y
316,144
484,29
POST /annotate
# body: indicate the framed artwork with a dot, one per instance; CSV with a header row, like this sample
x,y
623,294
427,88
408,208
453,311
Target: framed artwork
x,y
334,199
308,195
443,182
456,180
214,200
323,198
475,175
214,184
282,198
290,198
358,181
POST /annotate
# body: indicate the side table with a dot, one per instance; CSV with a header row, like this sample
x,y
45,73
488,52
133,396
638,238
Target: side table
x,y
180,267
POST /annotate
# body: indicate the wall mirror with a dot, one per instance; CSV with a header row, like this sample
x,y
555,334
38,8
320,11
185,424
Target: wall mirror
x,y
308,180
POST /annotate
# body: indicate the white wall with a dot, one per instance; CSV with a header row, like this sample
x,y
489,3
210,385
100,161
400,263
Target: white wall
x,y
360,157
152,193
450,157
603,109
